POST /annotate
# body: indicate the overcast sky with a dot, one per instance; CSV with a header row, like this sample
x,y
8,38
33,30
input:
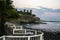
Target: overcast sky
x,y
45,9
35,3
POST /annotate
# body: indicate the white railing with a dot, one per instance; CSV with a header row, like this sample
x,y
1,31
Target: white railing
x,y
1,38
37,37
26,31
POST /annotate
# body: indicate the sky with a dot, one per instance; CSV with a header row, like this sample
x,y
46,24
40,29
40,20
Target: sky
x,y
45,9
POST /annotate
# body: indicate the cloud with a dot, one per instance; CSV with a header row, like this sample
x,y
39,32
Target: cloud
x,y
41,9
51,14
46,13
44,9
34,3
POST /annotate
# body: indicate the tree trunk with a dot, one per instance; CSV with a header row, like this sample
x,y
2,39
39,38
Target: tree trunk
x,y
2,30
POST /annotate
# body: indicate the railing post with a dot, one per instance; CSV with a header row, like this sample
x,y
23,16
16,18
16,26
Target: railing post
x,y
35,32
13,31
28,38
25,31
3,37
41,37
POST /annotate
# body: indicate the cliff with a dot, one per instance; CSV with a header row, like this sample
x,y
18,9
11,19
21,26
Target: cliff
x,y
26,16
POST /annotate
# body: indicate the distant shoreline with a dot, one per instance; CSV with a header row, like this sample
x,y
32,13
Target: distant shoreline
x,y
32,23
51,21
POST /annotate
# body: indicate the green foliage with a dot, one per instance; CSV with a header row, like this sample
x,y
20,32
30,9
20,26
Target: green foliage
x,y
25,12
7,12
12,14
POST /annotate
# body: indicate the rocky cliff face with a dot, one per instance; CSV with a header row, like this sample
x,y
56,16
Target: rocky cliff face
x,y
26,16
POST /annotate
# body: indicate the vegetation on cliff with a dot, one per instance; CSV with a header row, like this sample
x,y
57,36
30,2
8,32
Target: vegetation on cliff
x,y
26,16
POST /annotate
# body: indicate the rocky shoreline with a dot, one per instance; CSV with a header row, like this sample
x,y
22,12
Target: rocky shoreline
x,y
50,35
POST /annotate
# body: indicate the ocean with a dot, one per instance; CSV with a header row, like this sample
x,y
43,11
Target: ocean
x,y
50,26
